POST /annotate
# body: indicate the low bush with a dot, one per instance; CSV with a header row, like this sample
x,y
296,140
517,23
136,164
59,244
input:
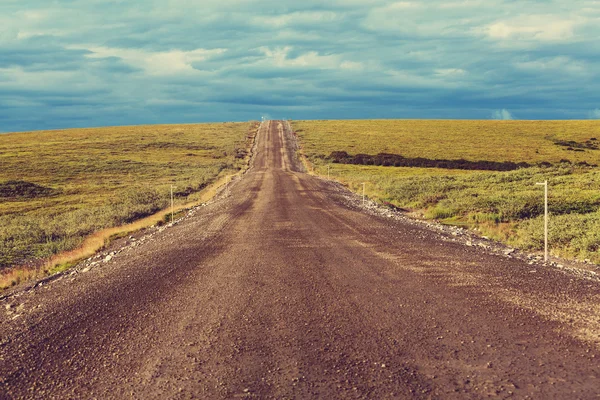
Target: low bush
x,y
396,160
20,189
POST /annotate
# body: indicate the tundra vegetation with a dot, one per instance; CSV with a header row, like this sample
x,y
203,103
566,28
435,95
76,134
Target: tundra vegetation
x,y
476,174
57,187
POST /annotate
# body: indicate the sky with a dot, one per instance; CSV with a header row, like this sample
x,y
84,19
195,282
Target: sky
x,y
75,63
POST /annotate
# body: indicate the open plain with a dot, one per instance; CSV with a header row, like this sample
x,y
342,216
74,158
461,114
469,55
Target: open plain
x,y
283,287
66,191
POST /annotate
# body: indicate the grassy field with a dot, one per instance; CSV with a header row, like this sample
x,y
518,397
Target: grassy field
x,y
507,206
527,141
57,187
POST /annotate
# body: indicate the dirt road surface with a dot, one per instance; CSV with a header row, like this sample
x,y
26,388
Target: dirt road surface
x,y
284,289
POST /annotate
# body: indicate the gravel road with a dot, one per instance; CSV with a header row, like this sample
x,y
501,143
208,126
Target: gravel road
x,y
285,288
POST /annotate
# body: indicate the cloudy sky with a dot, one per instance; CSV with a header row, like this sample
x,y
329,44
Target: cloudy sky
x,y
69,63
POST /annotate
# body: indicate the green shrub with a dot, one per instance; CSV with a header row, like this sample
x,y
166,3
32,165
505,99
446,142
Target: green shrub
x,y
440,212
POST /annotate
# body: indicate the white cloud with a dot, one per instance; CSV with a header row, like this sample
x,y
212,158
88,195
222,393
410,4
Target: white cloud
x,y
157,63
279,57
503,114
448,72
409,18
535,27
462,4
352,65
34,15
297,18
26,34
402,5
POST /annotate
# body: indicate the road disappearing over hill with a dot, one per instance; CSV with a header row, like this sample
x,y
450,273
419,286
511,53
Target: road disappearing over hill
x,y
284,288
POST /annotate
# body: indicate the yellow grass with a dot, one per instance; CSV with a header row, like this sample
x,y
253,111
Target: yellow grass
x,y
98,240
17,275
99,174
517,141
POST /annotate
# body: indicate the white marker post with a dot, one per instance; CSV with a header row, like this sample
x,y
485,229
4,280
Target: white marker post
x,y
227,185
172,205
545,184
363,202
328,171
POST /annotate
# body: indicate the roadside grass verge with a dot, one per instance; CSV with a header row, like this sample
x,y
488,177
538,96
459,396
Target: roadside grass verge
x,y
66,192
506,206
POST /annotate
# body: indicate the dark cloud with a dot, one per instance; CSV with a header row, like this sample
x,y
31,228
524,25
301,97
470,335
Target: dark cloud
x,y
41,57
